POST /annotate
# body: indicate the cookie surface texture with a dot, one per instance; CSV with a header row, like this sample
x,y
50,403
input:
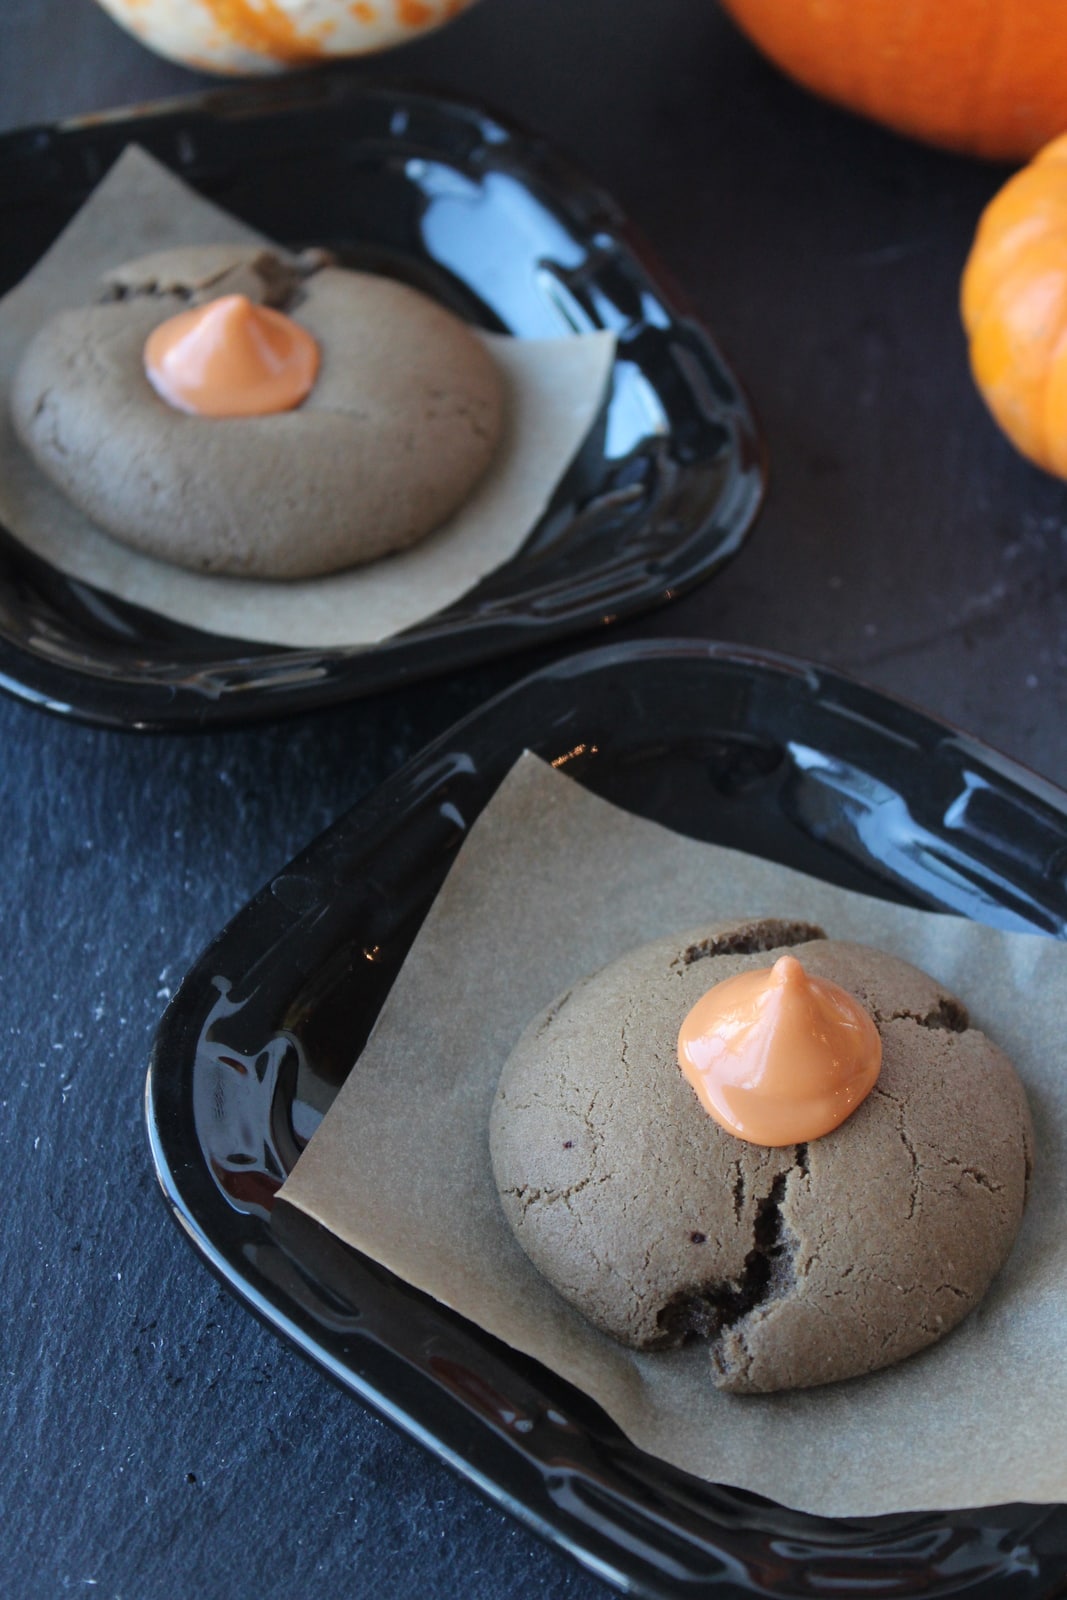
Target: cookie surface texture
x,y
798,1266
402,422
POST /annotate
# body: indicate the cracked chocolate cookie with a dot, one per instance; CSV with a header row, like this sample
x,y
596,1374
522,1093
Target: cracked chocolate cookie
x,y
798,1265
402,422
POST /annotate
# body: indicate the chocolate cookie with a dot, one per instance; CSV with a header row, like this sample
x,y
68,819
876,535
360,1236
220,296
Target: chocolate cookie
x,y
798,1265
400,425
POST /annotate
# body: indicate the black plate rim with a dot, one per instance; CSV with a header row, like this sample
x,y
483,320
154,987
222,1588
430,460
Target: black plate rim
x,y
251,683
891,714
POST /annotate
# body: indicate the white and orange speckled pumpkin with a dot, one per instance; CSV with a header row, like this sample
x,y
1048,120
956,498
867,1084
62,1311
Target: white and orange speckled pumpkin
x,y
255,36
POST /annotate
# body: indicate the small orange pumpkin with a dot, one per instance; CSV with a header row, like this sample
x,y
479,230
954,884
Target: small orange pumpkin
x,y
988,77
1014,306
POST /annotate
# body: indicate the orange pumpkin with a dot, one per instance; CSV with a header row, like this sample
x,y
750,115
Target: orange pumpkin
x,y
988,77
1014,306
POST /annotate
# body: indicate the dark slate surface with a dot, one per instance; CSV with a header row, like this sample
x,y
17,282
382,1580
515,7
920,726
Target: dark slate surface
x,y
158,1441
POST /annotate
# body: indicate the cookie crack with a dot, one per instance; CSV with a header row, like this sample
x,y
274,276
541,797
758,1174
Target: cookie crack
x,y
46,421
527,1195
156,289
982,1179
749,941
914,1197
279,281
948,1016
739,1189
552,1013
713,1309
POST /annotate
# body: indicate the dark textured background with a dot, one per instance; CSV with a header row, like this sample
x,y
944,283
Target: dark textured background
x,y
158,1442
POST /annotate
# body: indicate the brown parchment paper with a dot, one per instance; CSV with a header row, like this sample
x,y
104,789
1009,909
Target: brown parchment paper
x,y
555,388
553,882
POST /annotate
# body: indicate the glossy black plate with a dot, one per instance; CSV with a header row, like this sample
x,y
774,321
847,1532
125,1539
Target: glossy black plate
x,y
771,756
450,198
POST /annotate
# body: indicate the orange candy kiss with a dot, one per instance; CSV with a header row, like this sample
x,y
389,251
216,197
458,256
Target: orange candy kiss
x,y
778,1057
231,358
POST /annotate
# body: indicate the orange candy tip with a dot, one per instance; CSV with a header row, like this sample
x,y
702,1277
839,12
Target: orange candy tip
x,y
778,1057
231,358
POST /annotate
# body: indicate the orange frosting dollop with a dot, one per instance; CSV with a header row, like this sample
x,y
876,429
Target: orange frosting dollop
x,y
779,1057
231,358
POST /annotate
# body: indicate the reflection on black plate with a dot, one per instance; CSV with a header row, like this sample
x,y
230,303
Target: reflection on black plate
x,y
763,754
449,198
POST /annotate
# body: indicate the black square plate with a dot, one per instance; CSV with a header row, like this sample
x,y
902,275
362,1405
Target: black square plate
x,y
450,198
770,756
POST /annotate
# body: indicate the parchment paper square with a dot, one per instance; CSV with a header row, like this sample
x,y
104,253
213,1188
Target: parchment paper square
x,y
555,388
551,883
